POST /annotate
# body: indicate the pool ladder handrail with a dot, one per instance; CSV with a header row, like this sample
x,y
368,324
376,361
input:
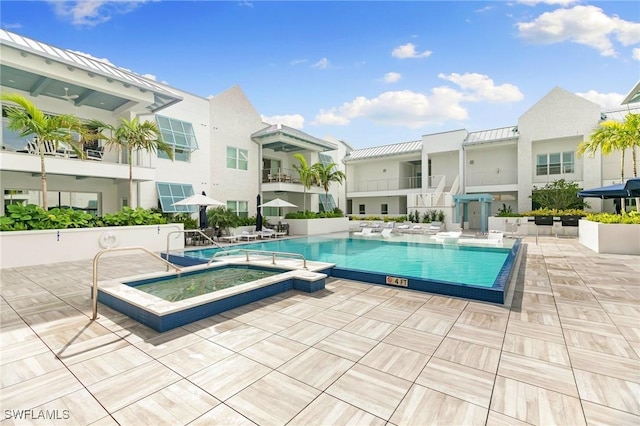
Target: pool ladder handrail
x,y
94,291
184,231
273,255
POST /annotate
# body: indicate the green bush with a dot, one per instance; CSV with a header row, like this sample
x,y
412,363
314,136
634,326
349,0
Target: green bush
x,y
32,217
554,212
313,215
131,217
630,218
558,195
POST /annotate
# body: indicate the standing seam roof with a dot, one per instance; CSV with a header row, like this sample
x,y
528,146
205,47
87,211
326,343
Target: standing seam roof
x,y
385,150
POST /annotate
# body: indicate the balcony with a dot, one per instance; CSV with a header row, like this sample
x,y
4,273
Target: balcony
x,y
285,180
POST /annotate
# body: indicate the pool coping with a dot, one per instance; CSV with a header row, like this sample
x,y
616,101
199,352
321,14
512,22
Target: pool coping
x,y
163,315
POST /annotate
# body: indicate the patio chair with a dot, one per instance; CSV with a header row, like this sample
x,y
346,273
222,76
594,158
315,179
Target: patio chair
x,y
386,232
366,232
435,227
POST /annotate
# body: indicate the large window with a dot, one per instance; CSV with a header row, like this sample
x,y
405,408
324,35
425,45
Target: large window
x,y
384,208
237,158
169,193
83,201
327,203
325,159
555,163
178,134
241,208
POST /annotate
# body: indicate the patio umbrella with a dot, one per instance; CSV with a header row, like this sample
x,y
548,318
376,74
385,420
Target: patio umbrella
x,y
279,203
199,200
630,189
202,201
259,215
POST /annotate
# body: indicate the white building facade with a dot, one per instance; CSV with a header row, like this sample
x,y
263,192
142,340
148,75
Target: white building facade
x,y
220,144
506,163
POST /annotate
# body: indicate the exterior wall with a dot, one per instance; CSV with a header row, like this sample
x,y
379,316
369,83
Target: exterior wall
x,y
559,115
395,205
491,164
232,121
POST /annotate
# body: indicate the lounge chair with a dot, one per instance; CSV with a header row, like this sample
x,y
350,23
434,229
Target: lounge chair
x,y
366,232
403,228
450,237
266,233
435,227
386,232
417,229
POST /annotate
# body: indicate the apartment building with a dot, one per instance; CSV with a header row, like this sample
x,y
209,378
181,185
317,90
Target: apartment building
x,y
471,175
220,144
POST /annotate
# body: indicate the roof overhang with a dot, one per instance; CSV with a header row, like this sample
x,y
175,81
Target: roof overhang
x,y
43,70
286,139
633,96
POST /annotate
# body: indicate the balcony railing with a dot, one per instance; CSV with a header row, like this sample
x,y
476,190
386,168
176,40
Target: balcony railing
x,y
415,182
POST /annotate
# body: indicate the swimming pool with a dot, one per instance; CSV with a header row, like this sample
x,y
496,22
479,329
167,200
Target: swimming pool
x,y
466,271
162,314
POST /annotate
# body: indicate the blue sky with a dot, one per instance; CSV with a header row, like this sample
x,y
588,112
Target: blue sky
x,y
368,72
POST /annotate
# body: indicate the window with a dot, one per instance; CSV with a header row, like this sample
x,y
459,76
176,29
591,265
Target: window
x,y
384,209
555,163
361,209
237,158
169,193
178,134
81,201
241,208
325,159
327,203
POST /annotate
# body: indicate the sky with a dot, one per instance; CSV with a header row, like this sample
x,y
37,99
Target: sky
x,y
367,72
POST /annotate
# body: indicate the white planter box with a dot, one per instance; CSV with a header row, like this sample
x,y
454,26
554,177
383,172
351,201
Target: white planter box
x,y
25,248
317,226
612,238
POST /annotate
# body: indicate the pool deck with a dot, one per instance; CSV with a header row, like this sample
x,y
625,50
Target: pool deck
x,y
567,351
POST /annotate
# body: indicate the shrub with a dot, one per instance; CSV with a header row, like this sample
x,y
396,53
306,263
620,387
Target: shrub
x,y
131,217
554,212
559,195
32,217
630,218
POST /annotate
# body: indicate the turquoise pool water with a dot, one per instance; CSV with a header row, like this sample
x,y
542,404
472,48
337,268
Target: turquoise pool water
x,y
463,265
195,284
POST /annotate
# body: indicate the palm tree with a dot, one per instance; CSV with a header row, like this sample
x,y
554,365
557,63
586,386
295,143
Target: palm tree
x,y
132,136
615,136
328,174
308,176
29,120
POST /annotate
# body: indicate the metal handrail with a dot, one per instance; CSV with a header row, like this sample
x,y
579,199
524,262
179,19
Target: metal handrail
x,y
94,292
197,231
273,255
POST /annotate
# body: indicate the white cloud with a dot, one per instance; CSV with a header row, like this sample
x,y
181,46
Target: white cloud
x,y
14,26
413,109
551,2
103,60
636,54
479,87
298,61
245,4
605,100
392,77
322,64
409,51
292,120
92,12
587,25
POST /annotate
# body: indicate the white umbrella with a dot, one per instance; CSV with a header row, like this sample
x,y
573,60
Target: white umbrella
x,y
199,200
278,202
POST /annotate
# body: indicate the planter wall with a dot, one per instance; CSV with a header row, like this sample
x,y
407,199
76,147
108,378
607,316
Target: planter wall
x,y
317,226
25,248
612,238
524,226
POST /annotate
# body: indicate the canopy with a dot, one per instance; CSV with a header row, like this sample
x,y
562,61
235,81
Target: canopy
x,y
631,189
199,200
278,202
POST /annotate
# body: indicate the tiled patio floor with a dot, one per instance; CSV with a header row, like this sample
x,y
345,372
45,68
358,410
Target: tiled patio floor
x,y
567,352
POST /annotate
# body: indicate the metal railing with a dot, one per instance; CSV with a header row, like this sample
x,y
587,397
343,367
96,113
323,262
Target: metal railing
x,y
273,255
187,231
94,291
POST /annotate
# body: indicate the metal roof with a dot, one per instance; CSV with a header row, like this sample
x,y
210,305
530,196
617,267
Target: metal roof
x,y
278,130
619,114
385,150
492,135
163,97
633,96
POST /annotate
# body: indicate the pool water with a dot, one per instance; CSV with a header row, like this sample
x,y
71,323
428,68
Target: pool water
x,y
478,266
195,284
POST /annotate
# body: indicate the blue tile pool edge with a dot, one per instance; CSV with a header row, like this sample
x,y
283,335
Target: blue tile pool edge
x,y
171,320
